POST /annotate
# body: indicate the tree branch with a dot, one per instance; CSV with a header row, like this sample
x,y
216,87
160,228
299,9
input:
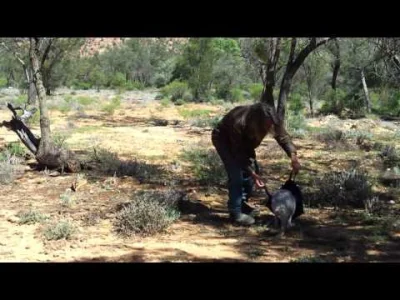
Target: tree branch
x,y
15,53
336,66
312,45
292,50
46,52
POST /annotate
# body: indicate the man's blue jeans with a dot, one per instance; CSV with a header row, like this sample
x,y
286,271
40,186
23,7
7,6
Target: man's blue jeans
x,y
240,182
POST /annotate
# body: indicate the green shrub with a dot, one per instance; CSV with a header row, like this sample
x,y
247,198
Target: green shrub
x,y
3,82
111,107
180,102
344,188
58,231
333,102
390,156
175,90
16,149
149,213
296,104
118,80
236,95
206,121
21,100
80,85
194,113
206,165
134,85
165,102
187,96
334,138
8,167
84,100
31,217
256,90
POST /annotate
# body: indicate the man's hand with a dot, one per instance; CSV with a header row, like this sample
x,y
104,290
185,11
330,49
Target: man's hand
x,y
295,164
258,180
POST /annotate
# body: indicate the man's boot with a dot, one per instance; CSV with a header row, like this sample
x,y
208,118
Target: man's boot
x,y
242,219
248,210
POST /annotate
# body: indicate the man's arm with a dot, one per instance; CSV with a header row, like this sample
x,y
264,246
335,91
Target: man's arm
x,y
284,140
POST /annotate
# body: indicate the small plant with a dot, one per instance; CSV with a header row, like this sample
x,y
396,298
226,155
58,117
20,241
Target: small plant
x,y
206,165
217,102
34,119
180,102
111,107
65,108
31,217
391,177
67,199
390,157
187,96
148,213
8,167
20,100
165,102
334,139
92,218
84,100
206,122
296,104
195,113
331,135
175,90
59,139
58,231
255,91
359,135
236,95
134,85
296,125
344,188
3,82
370,204
16,149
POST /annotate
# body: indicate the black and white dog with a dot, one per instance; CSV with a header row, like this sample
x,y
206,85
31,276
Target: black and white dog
x,y
286,204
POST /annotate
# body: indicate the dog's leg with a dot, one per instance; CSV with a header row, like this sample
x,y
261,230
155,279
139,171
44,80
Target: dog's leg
x,y
290,223
284,225
276,222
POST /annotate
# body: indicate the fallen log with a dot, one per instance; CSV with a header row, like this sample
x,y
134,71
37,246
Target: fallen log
x,y
54,158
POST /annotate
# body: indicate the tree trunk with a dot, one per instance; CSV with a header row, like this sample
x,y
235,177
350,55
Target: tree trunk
x,y
267,96
336,64
309,80
48,154
48,91
32,93
293,64
310,101
34,54
366,93
283,94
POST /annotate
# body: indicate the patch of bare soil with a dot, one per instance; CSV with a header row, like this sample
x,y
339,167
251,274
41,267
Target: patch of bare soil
x,y
195,237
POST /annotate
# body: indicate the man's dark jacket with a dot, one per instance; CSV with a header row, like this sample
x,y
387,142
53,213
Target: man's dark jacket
x,y
243,129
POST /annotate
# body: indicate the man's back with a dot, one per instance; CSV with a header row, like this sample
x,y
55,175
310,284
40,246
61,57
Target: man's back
x,y
245,127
